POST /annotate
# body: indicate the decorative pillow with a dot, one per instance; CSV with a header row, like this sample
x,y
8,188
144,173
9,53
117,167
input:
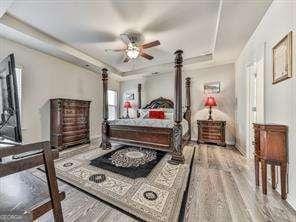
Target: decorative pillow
x,y
155,114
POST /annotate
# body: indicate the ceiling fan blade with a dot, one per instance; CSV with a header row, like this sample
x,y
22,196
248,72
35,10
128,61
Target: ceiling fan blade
x,y
114,50
151,44
126,59
146,56
125,38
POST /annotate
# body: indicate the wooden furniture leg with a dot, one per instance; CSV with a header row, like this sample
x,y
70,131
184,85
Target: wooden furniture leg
x,y
53,185
272,169
283,167
257,171
264,176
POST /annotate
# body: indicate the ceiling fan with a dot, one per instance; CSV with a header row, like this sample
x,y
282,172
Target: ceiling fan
x,y
134,48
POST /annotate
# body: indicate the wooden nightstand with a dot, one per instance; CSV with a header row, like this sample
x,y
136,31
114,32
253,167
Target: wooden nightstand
x,y
210,131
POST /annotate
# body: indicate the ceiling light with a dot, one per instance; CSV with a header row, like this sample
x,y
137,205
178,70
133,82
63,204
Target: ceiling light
x,y
132,51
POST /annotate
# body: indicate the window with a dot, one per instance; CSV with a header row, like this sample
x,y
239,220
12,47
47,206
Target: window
x,y
112,104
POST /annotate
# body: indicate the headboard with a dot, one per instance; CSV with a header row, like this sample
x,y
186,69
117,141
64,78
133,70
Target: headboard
x,y
160,103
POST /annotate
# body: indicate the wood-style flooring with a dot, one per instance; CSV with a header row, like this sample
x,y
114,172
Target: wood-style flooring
x,y
221,189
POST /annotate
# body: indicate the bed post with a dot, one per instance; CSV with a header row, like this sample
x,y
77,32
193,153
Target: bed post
x,y
187,114
105,124
139,99
177,155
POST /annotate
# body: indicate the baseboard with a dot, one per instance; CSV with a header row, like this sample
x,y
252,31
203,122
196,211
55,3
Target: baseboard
x,y
240,150
292,202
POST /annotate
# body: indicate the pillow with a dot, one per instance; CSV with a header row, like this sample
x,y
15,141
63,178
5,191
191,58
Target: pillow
x,y
143,113
155,114
169,116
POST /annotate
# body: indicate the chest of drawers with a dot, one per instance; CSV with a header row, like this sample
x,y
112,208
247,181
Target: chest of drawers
x,y
210,131
69,122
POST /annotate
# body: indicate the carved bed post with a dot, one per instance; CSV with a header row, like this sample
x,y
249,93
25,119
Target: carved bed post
x,y
188,104
177,155
139,98
105,124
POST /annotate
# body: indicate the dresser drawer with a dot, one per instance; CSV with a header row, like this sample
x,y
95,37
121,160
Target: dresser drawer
x,y
211,130
74,120
67,139
211,137
73,127
77,111
75,132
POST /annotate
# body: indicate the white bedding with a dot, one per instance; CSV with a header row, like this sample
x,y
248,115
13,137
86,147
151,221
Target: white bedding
x,y
165,123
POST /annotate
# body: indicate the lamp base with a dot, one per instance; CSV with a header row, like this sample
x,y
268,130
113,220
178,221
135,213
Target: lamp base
x,y
210,114
127,114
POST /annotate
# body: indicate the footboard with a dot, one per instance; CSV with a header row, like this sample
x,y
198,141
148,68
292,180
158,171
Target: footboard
x,y
151,137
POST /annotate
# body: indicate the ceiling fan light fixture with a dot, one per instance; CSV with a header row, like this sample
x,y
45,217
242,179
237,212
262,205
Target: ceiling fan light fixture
x,y
132,51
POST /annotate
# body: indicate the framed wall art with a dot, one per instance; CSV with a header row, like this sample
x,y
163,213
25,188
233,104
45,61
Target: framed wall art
x,y
212,87
129,96
282,59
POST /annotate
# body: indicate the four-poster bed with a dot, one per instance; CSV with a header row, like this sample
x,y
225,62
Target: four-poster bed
x,y
165,135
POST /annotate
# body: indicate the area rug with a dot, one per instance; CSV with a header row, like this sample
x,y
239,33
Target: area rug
x,y
156,197
129,161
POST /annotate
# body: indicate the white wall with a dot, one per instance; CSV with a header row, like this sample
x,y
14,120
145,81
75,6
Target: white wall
x,y
280,103
163,85
45,77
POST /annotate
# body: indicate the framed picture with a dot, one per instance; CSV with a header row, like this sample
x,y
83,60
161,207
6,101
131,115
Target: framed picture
x,y
282,59
212,87
129,96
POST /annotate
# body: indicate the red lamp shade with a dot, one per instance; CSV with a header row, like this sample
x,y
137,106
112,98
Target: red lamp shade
x,y
210,101
127,104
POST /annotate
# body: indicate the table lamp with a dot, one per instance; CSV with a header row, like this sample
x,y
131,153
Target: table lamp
x,y
210,102
127,105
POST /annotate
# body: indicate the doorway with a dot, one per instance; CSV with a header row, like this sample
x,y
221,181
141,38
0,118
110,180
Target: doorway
x,y
255,100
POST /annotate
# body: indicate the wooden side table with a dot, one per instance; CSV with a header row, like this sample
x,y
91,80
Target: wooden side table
x,y
210,131
270,148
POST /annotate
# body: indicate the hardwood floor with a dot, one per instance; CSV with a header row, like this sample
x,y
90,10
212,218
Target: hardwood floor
x,y
221,189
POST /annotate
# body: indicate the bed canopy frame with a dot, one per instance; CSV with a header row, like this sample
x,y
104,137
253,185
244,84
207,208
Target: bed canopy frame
x,y
166,139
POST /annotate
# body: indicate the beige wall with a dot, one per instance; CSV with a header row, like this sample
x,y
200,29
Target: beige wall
x,y
163,85
46,77
280,103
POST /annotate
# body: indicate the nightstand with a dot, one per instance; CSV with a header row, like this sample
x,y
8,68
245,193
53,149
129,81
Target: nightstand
x,y
210,131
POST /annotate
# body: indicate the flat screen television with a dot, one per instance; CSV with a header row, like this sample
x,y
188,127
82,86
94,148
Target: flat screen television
x,y
10,126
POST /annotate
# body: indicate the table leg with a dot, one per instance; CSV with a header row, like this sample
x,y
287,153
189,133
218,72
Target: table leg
x,y
272,168
256,170
264,176
284,180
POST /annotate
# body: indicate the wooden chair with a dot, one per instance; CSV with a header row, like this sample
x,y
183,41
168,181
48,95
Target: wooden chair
x,y
46,156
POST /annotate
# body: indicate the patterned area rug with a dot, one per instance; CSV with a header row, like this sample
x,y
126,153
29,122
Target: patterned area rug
x,y
156,197
132,162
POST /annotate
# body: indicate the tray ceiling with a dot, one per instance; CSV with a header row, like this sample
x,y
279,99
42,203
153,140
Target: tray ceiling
x,y
93,26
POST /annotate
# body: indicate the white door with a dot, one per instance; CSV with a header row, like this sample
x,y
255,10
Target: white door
x,y
255,107
252,106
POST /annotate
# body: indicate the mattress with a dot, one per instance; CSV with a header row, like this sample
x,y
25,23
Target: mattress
x,y
162,123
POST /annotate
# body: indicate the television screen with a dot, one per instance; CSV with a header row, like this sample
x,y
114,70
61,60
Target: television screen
x,y
10,126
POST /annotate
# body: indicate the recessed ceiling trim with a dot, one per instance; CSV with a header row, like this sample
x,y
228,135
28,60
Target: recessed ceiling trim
x,y
187,68
18,31
217,25
4,6
167,66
